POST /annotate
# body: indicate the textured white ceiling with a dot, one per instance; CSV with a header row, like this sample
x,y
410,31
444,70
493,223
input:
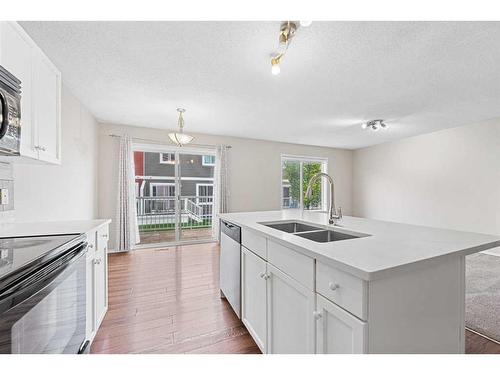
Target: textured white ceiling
x,y
419,76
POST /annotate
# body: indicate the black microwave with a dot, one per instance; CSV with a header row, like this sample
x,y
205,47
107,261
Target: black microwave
x,y
10,113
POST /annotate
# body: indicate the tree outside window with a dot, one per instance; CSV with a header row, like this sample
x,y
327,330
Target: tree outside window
x,y
296,174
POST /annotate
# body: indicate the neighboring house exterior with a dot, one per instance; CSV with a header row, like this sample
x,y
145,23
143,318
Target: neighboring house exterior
x,y
155,177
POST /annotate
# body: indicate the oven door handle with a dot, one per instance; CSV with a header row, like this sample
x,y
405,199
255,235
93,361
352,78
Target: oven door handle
x,y
21,291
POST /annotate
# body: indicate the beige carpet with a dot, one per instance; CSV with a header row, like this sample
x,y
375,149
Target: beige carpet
x,y
482,296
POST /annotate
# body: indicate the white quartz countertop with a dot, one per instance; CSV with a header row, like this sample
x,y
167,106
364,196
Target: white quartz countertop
x,y
390,247
17,229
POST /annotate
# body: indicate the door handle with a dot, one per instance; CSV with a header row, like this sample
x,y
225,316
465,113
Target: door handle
x,y
230,226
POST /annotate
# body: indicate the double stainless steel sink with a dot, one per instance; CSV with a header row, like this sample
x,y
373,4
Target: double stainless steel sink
x,y
314,232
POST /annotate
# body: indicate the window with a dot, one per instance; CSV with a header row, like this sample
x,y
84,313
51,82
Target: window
x,y
208,160
205,193
167,158
162,189
295,175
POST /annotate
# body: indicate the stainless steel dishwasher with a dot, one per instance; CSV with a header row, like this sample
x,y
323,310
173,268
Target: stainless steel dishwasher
x,y
230,264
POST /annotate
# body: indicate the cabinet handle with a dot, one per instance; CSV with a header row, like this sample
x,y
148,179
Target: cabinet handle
x,y
105,235
333,286
317,315
91,246
264,275
97,261
40,148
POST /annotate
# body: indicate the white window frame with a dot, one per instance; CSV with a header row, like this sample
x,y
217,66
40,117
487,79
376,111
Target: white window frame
x,y
198,194
207,164
156,184
171,162
301,159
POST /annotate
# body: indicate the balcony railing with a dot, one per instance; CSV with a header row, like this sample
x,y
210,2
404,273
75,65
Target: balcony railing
x,y
159,213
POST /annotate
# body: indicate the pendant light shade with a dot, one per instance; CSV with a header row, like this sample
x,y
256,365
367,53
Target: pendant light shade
x,y
180,138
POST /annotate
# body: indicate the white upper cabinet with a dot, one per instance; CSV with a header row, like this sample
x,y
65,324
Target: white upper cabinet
x,y
16,55
40,98
47,89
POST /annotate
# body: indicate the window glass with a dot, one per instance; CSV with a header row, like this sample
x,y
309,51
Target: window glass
x,y
296,174
167,158
291,181
309,169
208,160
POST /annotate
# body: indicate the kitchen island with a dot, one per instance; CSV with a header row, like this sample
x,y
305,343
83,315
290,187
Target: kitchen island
x,y
369,287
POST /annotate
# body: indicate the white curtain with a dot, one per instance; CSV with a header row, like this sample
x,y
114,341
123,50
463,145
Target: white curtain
x,y
127,228
221,190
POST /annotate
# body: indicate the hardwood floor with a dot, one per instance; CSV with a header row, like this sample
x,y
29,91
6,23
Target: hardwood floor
x,y
477,344
167,301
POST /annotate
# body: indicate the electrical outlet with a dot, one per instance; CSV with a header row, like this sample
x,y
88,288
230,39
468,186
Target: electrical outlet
x,y
4,196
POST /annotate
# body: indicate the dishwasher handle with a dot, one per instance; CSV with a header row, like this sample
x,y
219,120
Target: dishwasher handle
x,y
231,230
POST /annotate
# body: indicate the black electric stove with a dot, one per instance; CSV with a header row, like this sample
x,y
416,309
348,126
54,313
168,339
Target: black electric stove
x,y
43,294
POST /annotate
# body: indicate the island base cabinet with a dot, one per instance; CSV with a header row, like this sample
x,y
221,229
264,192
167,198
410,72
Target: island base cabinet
x,y
338,332
290,320
253,297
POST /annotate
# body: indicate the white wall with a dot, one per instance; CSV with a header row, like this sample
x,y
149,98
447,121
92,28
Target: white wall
x,y
61,192
449,179
254,168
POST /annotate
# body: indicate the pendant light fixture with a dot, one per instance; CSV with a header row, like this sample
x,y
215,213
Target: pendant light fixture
x,y
180,138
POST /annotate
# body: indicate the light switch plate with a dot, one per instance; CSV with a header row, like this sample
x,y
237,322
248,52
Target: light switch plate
x,y
4,196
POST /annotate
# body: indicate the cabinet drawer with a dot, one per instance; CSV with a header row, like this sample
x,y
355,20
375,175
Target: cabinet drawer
x,y
344,289
254,242
294,264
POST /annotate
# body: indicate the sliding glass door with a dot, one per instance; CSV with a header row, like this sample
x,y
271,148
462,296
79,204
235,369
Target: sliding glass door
x,y
196,178
174,194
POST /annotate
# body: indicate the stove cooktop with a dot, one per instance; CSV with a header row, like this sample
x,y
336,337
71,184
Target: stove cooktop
x,y
19,253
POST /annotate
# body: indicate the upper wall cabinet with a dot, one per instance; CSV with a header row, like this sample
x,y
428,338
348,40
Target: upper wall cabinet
x,y
40,98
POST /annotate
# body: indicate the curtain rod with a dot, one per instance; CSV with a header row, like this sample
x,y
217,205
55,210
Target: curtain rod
x,y
163,143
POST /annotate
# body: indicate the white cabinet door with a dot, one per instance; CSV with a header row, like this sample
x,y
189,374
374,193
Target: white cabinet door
x,y
290,320
338,332
253,296
16,56
100,271
47,88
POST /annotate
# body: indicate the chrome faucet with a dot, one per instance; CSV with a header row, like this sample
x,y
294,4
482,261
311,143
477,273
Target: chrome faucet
x,y
334,215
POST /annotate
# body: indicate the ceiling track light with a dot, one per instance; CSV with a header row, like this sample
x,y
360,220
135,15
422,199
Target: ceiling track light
x,y
287,32
375,125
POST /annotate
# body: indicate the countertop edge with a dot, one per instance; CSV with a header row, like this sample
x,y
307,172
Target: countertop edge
x,y
50,228
364,274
